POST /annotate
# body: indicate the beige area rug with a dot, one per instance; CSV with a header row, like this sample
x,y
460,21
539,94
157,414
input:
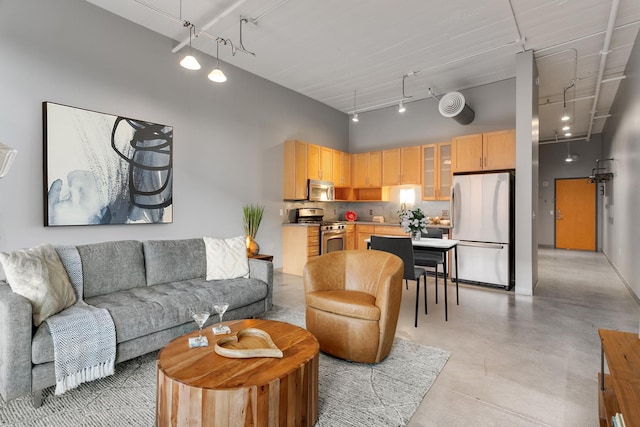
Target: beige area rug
x,y
350,394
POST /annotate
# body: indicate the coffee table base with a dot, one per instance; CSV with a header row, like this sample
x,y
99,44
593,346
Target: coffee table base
x,y
190,396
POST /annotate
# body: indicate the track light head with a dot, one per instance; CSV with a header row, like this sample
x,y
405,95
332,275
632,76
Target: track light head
x,y
354,118
401,107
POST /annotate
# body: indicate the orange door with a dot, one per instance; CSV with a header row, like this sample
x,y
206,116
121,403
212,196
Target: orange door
x,y
575,214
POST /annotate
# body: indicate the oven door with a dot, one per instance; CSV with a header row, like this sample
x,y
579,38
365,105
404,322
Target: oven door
x,y
333,241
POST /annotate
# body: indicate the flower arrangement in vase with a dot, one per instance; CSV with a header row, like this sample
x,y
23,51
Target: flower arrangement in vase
x,y
414,221
252,215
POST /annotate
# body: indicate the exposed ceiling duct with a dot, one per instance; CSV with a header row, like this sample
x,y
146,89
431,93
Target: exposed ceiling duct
x,y
453,105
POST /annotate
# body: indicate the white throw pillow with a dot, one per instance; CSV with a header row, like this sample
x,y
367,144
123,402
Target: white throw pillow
x,y
226,258
38,275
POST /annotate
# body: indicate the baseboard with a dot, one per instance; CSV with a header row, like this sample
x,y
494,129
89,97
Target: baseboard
x,y
622,279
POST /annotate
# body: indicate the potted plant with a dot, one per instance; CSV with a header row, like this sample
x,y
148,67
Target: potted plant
x,y
252,216
414,222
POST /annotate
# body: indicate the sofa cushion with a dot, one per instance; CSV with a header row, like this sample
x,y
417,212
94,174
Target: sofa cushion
x,y
174,260
112,266
38,275
226,258
140,311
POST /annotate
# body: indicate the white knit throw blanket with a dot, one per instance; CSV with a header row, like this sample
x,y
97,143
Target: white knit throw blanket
x,y
84,336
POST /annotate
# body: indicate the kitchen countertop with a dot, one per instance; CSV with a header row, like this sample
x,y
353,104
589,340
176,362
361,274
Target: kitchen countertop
x,y
295,224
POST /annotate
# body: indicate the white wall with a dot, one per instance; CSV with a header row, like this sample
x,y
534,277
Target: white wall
x,y
227,138
621,203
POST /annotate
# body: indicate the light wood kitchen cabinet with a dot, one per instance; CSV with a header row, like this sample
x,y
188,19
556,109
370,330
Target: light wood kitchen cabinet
x,y
499,150
299,244
341,169
319,163
366,169
485,151
401,166
363,232
295,170
437,172
350,241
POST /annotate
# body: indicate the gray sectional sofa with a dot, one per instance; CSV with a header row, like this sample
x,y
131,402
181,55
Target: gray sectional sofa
x,y
147,287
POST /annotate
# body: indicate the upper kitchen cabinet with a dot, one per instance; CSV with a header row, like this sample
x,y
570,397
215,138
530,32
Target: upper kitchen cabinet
x,y
295,170
366,169
319,162
499,149
341,169
436,170
485,151
401,166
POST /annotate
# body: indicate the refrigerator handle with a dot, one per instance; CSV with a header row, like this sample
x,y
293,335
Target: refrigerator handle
x,y
453,204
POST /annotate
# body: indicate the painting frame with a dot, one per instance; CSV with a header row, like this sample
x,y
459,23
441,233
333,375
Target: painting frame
x,y
104,169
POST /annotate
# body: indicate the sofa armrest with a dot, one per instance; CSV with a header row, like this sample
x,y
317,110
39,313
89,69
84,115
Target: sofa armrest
x,y
263,270
15,343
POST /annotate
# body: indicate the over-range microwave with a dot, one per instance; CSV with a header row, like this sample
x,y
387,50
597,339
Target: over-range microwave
x,y
320,191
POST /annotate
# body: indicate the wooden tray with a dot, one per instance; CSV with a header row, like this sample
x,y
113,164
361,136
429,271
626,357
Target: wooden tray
x,y
247,343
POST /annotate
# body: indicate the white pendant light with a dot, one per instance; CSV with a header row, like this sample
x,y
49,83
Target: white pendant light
x,y
401,107
354,117
566,128
189,61
216,75
565,117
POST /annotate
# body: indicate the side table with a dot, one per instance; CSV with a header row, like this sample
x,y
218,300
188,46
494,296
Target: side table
x,y
263,256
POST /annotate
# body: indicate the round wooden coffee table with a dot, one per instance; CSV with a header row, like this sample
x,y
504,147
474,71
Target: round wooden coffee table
x,y
197,387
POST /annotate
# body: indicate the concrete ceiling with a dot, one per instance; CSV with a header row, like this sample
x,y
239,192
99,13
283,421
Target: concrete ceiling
x,y
326,49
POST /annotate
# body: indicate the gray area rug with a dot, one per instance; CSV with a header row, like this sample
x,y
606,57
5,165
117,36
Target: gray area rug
x,y
350,394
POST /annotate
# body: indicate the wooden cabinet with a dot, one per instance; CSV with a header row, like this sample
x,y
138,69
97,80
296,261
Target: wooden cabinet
x,y
350,242
401,166
319,162
499,150
299,244
363,232
485,151
620,392
437,172
295,170
366,169
341,169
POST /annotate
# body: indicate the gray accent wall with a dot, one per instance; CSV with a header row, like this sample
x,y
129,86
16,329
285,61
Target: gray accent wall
x,y
621,202
422,123
228,138
553,167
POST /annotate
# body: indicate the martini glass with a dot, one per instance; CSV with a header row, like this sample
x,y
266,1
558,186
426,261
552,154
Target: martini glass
x,y
200,318
221,308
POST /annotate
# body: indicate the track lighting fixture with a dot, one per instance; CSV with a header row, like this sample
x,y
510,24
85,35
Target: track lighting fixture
x,y
401,108
189,61
216,75
354,117
566,128
565,117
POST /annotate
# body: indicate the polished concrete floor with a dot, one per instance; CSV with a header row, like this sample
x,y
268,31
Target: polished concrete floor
x,y
515,360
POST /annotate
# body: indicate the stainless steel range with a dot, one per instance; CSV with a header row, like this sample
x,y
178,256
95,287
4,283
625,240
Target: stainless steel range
x,y
333,234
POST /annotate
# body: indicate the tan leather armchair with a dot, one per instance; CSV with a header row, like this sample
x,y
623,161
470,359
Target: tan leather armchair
x,y
353,301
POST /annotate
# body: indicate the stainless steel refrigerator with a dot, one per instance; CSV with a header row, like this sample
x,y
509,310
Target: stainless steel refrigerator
x,y
482,209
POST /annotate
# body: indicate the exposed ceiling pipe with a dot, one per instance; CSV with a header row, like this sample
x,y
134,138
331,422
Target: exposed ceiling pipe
x,y
521,39
211,23
603,60
582,98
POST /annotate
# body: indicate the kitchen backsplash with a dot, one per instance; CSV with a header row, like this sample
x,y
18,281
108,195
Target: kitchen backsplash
x,y
366,210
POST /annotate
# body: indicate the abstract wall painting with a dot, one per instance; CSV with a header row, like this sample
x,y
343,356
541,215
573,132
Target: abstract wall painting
x,y
105,169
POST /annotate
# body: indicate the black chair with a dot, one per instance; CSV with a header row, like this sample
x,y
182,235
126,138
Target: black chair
x,y
427,258
402,247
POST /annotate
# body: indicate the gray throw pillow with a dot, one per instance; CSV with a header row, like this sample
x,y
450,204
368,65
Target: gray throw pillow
x,y
38,275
